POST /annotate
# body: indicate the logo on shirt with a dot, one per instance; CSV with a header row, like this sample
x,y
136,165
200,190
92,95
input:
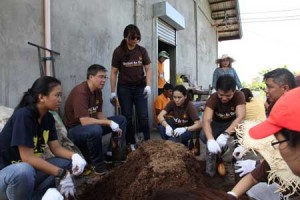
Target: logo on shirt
x,y
40,142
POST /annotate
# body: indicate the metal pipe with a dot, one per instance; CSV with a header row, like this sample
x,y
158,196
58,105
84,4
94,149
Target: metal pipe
x,y
47,32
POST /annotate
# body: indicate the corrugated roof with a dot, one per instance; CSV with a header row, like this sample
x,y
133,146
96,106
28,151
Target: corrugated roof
x,y
226,15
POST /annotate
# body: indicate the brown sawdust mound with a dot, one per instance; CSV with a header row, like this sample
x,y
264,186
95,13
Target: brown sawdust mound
x,y
156,170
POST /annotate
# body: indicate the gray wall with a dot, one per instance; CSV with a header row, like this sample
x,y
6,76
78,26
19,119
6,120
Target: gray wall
x,y
87,32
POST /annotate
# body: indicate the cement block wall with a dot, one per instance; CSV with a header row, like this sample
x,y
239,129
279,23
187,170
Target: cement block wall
x,y
87,32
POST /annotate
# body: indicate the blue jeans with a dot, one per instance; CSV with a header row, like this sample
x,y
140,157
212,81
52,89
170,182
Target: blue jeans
x,y
89,138
17,181
129,96
22,181
183,138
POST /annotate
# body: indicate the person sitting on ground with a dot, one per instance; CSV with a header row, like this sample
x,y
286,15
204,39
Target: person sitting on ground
x,y
278,82
161,81
184,121
255,109
24,174
225,67
85,121
224,110
283,123
162,100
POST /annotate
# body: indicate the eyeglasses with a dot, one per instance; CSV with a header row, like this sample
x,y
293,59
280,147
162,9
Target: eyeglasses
x,y
275,143
135,38
102,77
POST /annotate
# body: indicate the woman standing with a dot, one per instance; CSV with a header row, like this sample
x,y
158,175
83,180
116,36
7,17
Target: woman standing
x,y
131,63
225,67
184,121
24,174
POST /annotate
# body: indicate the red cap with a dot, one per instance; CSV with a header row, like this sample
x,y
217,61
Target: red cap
x,y
284,114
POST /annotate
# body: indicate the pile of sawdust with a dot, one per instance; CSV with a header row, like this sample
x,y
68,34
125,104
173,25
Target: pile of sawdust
x,y
156,167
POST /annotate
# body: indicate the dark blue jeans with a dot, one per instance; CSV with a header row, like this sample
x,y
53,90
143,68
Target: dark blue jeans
x,y
89,138
183,138
44,181
129,96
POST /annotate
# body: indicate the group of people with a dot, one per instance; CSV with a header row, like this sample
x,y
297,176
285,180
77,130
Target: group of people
x,y
24,174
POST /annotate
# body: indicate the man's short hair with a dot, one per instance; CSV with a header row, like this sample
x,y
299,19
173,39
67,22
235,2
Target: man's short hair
x,y
226,82
94,69
281,76
168,86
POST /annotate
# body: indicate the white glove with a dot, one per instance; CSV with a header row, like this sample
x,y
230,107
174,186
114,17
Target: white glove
x,y
213,146
222,140
113,95
67,186
147,91
52,194
239,152
245,166
78,164
114,126
169,131
179,131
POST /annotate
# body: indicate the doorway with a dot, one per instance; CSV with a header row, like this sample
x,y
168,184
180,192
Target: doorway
x,y
169,64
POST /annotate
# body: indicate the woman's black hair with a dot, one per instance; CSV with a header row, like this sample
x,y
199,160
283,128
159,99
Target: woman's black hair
x,y
293,137
42,85
248,94
181,89
130,31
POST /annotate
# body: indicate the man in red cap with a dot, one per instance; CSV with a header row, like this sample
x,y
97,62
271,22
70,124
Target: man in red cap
x,y
284,123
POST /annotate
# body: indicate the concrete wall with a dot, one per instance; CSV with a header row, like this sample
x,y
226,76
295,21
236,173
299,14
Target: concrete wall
x,y
87,32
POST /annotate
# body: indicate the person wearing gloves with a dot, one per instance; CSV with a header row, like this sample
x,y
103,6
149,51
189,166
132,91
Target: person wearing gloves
x,y
85,121
184,121
131,64
24,173
283,124
225,67
278,82
224,110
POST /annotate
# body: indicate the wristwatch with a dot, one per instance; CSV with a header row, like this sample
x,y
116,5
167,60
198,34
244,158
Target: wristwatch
x,y
61,173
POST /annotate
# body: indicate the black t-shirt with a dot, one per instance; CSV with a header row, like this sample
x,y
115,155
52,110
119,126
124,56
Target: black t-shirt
x,y
23,129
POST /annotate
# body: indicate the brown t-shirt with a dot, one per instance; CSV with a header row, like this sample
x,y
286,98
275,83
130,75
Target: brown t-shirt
x,y
225,112
185,115
130,64
81,102
260,173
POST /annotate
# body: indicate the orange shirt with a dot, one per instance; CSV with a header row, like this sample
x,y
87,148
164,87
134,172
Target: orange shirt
x,y
160,103
161,75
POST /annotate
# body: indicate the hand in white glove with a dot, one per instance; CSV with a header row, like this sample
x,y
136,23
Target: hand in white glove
x,y
147,91
66,186
179,131
114,126
213,146
52,194
245,166
78,164
113,95
169,131
239,152
222,140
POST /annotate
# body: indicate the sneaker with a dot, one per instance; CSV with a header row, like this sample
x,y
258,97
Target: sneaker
x,y
123,158
100,168
107,159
